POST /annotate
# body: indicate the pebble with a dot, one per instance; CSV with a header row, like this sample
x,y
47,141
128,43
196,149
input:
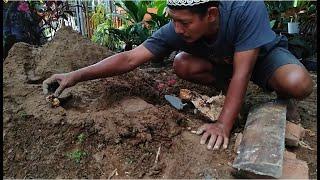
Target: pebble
x,y
195,111
189,128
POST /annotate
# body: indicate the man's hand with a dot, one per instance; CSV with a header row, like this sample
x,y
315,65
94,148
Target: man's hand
x,y
63,80
218,134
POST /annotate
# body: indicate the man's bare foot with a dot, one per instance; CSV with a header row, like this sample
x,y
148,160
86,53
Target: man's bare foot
x,y
293,112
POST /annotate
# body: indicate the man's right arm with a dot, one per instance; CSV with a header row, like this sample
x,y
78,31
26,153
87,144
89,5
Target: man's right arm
x,y
114,65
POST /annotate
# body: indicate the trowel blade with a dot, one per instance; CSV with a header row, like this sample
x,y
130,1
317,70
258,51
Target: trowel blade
x,y
175,101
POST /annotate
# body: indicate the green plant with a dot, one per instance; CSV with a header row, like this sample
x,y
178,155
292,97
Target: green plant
x,y
278,6
22,114
303,44
77,155
277,13
134,31
131,35
27,21
81,138
98,16
135,10
160,18
308,25
103,37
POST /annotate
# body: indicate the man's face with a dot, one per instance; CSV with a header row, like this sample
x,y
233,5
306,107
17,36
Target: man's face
x,y
188,25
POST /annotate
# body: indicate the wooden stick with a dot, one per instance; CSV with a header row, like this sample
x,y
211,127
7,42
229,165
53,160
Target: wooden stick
x,y
157,156
112,173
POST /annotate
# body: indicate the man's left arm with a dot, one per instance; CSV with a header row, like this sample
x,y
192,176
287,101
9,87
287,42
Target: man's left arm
x,y
242,69
219,131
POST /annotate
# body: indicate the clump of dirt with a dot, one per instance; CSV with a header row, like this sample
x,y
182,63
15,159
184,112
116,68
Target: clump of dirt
x,y
118,123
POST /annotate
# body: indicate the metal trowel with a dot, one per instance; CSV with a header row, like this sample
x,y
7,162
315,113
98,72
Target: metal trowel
x,y
175,101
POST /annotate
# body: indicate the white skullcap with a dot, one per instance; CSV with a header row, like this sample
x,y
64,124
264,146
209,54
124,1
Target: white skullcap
x,y
185,2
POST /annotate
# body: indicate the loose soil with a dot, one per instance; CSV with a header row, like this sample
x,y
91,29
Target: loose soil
x,y
113,123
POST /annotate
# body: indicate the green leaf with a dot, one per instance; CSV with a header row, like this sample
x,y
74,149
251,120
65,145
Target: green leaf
x,y
272,23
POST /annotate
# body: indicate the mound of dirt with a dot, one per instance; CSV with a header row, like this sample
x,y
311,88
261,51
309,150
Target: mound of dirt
x,y
68,51
120,124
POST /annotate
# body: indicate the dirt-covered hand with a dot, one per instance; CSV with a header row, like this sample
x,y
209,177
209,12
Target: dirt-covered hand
x,y
57,83
218,134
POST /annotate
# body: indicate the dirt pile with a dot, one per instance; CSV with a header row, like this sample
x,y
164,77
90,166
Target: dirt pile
x,y
121,129
107,124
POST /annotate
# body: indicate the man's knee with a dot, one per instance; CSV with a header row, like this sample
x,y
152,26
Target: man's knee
x,y
300,86
294,82
181,65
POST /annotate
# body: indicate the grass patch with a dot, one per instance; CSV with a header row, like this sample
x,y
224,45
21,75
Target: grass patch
x,y
23,115
77,155
81,138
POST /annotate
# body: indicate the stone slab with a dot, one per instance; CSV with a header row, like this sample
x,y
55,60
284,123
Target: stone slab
x,y
262,146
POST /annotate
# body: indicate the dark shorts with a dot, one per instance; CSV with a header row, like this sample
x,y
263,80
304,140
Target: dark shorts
x,y
264,68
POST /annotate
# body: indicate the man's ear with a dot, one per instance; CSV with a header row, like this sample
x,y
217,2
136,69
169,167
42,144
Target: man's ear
x,y
213,13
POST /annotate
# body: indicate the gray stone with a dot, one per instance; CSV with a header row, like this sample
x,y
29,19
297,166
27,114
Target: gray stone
x,y
262,146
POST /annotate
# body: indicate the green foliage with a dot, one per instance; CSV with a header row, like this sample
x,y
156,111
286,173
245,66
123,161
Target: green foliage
x,y
304,12
160,19
160,5
135,9
22,115
77,155
272,22
278,6
28,21
103,37
98,16
134,30
81,138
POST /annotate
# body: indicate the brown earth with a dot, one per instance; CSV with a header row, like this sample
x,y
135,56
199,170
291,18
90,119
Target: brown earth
x,y
113,123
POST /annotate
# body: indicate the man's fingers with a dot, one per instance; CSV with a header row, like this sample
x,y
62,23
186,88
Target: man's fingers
x,y
225,143
204,138
201,129
212,141
45,88
218,143
46,83
59,90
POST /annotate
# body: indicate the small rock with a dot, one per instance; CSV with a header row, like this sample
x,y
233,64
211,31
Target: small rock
x,y
310,133
294,133
100,146
293,168
237,142
289,155
98,157
195,111
117,140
